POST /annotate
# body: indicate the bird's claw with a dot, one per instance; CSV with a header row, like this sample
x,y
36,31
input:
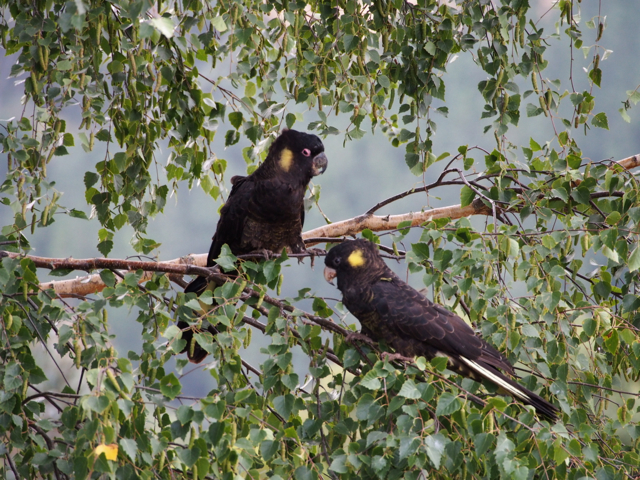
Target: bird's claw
x,y
313,252
391,357
354,337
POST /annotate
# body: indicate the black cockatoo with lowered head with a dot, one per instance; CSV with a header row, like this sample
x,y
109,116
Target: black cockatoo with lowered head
x,y
412,325
265,210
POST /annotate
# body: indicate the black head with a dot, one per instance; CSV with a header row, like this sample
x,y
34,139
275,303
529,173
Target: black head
x,y
298,154
358,259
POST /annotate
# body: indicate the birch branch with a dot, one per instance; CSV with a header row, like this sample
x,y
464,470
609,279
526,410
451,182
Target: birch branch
x,y
377,223
193,264
630,162
80,286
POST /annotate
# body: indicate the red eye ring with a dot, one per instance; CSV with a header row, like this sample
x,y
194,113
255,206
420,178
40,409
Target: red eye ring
x,y
306,152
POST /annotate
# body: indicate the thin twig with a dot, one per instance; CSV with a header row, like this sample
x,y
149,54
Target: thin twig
x,y
10,462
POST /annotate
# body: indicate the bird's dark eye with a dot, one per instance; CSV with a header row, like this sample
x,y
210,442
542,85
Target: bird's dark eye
x,y
337,261
306,152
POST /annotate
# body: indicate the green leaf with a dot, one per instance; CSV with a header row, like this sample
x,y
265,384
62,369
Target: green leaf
x,y
533,110
231,138
130,447
560,454
408,446
170,386
466,196
409,390
375,436
600,121
365,406
483,442
90,179
610,254
269,448
351,358
495,402
219,24
108,277
448,403
596,76
305,473
439,363
283,404
68,141
235,118
189,456
12,377
339,464
96,404
560,193
290,119
613,218
60,272
164,25
549,242
611,341
581,195
383,80
395,403
625,116
371,381
105,247
435,445
574,162
634,260
226,260
184,414
589,325
78,214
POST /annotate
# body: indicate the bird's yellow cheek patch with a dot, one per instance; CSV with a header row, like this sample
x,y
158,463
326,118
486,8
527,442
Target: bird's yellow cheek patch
x,y
356,259
286,159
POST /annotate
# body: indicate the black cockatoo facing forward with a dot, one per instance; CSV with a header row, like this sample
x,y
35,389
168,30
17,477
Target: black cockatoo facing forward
x,y
412,325
265,210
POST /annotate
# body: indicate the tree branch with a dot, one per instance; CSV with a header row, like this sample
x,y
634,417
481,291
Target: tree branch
x,y
377,223
194,264
80,286
629,162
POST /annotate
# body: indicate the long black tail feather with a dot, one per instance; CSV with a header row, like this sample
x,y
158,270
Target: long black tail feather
x,y
526,396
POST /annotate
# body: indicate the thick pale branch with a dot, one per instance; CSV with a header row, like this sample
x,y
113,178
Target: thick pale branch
x,y
630,162
192,264
79,286
377,223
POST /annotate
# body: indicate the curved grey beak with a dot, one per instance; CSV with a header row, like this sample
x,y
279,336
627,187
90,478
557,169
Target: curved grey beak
x,y
329,274
319,164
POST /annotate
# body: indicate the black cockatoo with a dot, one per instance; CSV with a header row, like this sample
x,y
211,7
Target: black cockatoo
x,y
412,325
265,210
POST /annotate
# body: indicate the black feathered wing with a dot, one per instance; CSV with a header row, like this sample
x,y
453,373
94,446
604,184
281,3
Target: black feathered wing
x,y
233,216
421,322
230,226
413,325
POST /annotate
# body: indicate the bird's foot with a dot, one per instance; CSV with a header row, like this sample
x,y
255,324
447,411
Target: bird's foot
x,y
313,252
359,337
391,357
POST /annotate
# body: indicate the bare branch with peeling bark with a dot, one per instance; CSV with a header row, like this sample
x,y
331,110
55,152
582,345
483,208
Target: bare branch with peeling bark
x,y
378,223
195,264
